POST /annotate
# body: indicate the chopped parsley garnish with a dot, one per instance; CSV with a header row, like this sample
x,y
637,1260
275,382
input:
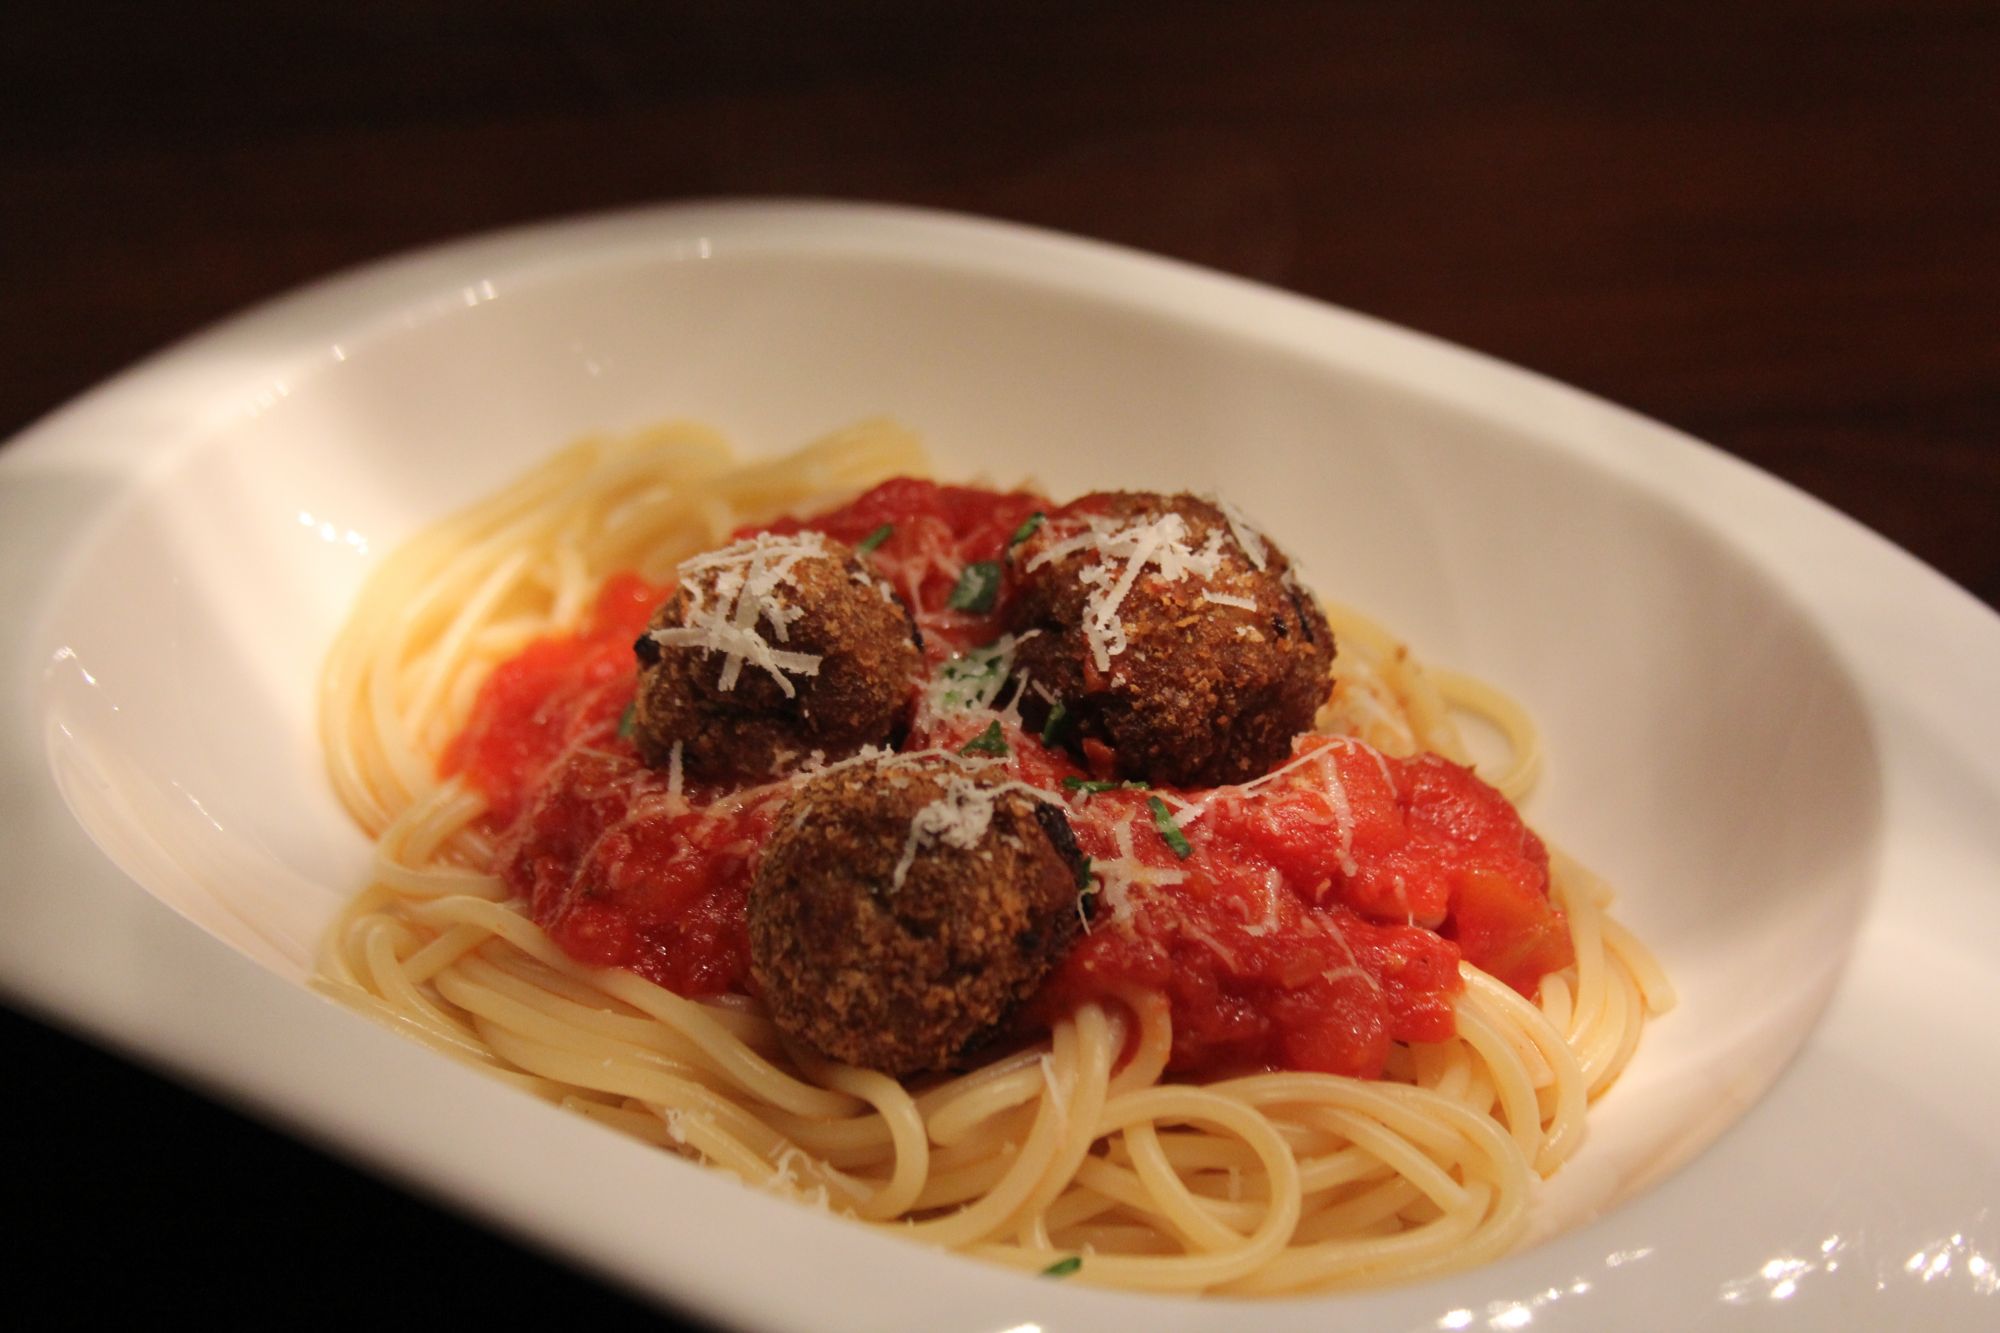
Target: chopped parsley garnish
x,y
1027,529
1090,788
1063,1267
874,539
989,741
1163,820
1057,716
1083,875
626,720
977,587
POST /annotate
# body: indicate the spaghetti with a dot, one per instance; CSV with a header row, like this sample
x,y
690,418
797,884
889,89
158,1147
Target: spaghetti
x,y
1076,1146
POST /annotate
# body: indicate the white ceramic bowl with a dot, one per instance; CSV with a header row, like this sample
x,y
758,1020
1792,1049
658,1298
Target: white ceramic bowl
x,y
1773,731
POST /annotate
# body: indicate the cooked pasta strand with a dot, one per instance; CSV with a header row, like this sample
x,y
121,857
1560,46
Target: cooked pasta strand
x,y
1077,1145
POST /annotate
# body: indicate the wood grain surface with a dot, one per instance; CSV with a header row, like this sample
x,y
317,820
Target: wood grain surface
x,y
1776,226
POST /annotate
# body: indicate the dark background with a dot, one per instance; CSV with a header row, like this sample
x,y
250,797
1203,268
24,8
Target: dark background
x,y
1776,226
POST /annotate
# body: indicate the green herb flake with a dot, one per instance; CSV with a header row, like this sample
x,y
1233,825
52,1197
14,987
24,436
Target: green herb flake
x,y
1090,787
1083,875
977,588
1063,1267
874,539
1027,529
1051,728
967,679
626,720
989,741
1163,820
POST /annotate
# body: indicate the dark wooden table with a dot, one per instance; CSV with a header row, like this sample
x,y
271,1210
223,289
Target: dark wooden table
x,y
1776,226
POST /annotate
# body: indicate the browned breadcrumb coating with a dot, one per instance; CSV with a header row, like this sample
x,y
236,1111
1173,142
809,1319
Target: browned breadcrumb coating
x,y
1204,692
896,949
857,634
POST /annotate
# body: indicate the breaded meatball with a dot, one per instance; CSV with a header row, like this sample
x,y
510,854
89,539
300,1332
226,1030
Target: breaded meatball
x,y
1172,633
769,650
903,908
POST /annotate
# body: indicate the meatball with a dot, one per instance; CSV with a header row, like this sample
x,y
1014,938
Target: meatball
x,y
904,908
769,650
1172,633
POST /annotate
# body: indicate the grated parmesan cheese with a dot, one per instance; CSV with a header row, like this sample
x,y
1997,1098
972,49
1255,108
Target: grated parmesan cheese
x,y
1274,883
1334,793
1194,810
1160,543
731,592
1245,532
1119,876
975,679
959,818
1353,967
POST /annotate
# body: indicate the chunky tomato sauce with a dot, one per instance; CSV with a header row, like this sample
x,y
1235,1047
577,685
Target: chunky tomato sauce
x,y
934,533
1307,920
619,869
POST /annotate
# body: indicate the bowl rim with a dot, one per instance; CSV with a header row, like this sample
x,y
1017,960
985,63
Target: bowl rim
x,y
135,426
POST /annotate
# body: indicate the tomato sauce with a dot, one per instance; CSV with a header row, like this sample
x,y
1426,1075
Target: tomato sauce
x,y
1316,917
933,534
539,703
1307,920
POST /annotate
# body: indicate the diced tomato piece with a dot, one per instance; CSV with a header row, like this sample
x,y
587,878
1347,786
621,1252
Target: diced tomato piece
x,y
1509,930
